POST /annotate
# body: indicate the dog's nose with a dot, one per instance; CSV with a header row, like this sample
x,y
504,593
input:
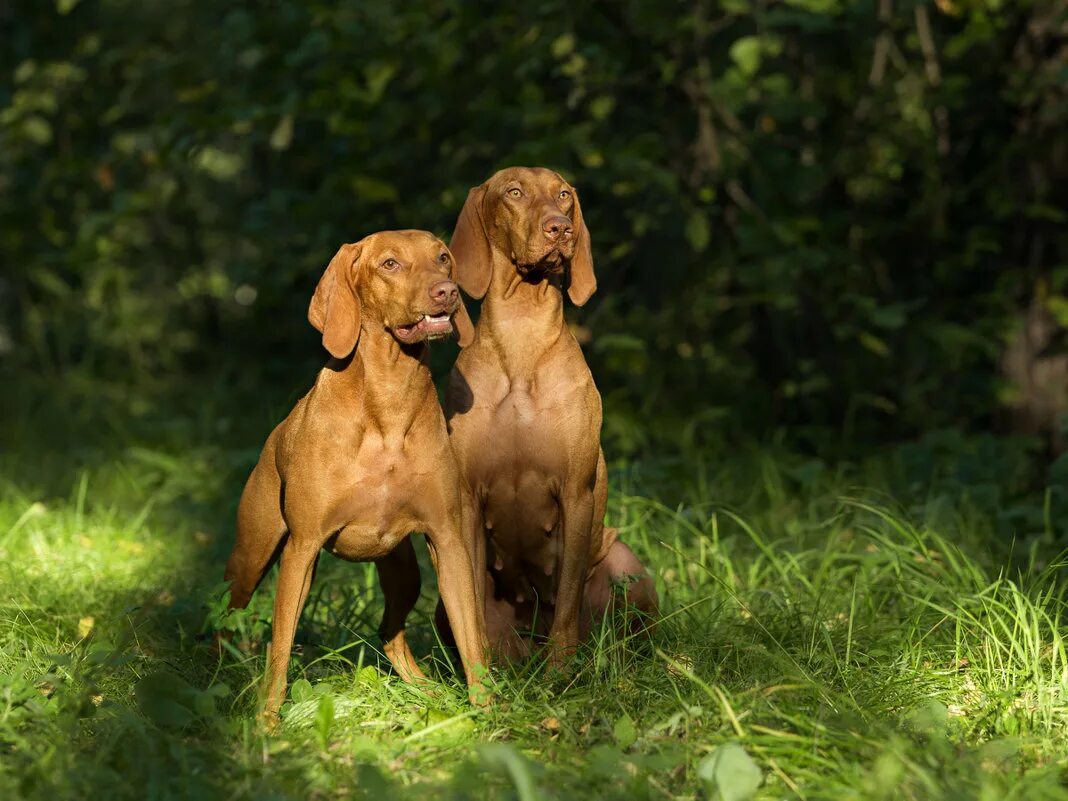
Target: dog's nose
x,y
445,293
556,227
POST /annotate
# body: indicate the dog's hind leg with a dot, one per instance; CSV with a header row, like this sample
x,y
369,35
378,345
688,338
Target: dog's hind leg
x,y
398,573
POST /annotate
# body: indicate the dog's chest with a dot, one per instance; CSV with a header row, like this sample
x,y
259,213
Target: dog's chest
x,y
538,417
387,498
524,406
522,487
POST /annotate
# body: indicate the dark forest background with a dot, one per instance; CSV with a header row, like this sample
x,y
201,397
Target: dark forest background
x,y
815,221
831,336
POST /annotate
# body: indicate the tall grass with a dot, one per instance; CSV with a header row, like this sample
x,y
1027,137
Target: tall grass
x,y
821,638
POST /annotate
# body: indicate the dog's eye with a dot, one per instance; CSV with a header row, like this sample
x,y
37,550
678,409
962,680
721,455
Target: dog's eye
x,y
444,258
515,193
390,264
564,194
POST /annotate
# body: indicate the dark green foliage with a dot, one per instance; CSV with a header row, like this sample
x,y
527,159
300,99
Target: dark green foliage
x,y
814,214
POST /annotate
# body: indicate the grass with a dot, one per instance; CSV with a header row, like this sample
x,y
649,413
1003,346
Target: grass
x,y
892,630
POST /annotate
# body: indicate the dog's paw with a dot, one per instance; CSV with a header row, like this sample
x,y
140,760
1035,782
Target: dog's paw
x,y
268,721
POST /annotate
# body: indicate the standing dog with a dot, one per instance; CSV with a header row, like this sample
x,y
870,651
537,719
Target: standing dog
x,y
364,458
525,421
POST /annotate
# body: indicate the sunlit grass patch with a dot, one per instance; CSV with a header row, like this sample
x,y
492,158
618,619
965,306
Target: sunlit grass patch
x,y
817,641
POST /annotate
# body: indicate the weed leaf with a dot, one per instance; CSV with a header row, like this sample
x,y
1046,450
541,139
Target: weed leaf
x,y
729,774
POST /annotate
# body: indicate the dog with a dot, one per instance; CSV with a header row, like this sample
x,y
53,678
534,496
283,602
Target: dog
x,y
524,418
364,458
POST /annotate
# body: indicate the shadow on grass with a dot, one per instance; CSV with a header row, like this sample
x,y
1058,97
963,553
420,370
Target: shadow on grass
x,y
115,531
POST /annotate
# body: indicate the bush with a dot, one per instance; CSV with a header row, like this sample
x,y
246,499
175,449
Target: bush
x,y
813,213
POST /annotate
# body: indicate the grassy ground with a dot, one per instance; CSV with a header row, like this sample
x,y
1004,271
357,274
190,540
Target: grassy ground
x,y
861,632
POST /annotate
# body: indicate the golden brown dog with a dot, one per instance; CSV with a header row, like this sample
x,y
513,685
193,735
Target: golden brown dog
x,y
364,459
524,417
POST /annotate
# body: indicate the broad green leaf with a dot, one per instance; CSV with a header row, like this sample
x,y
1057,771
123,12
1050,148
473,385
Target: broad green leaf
x,y
729,774
219,164
624,732
37,130
601,107
563,45
697,231
301,690
378,76
874,344
746,53
282,135
592,158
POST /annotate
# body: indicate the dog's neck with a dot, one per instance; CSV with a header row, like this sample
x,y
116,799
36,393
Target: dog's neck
x,y
521,319
388,380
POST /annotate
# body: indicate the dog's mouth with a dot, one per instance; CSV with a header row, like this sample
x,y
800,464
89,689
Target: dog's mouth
x,y
549,262
427,327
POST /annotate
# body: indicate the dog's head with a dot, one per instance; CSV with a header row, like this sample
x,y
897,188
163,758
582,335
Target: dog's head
x,y
532,217
399,280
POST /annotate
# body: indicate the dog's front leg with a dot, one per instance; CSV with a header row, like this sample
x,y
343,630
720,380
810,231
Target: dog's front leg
x,y
294,580
576,513
456,585
474,534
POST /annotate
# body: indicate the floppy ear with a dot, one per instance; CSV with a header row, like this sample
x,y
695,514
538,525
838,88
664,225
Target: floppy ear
x,y
583,282
471,247
334,309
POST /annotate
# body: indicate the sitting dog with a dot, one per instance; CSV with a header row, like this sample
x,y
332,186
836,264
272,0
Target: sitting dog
x,y
524,417
364,458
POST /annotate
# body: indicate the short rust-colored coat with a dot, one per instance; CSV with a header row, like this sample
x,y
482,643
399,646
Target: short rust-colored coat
x,y
525,418
364,458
